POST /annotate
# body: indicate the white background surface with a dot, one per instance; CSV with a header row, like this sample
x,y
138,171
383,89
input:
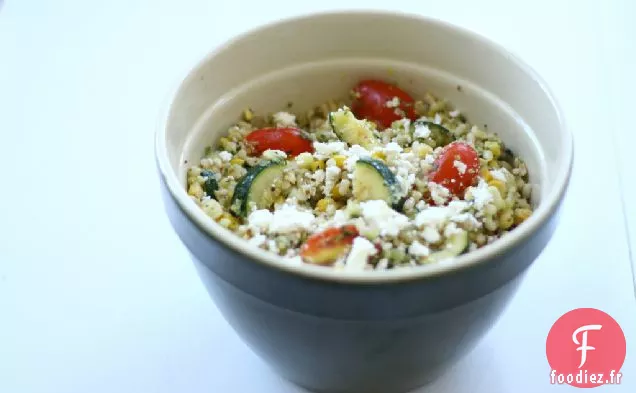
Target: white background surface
x,y
98,295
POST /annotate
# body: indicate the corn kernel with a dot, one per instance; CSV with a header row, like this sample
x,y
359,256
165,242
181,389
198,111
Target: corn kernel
x,y
485,173
379,155
318,164
407,150
237,161
195,190
506,219
340,160
494,147
521,215
499,185
323,204
229,221
248,115
423,150
335,192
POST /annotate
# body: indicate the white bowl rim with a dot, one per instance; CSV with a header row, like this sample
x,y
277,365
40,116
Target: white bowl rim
x,y
483,255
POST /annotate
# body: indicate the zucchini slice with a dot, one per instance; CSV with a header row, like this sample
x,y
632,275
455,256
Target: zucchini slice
x,y
255,187
439,136
372,180
351,130
210,185
455,245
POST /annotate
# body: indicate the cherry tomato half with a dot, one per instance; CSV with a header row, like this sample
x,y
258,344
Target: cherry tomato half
x,y
456,168
375,101
327,246
287,139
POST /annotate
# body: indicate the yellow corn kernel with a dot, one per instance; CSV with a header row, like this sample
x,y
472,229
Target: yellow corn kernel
x,y
506,219
228,221
335,192
195,190
407,150
379,155
521,215
423,150
323,204
237,161
340,160
485,173
494,147
499,185
248,115
318,164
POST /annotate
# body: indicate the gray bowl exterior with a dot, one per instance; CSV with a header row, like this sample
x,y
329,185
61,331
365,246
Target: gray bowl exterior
x,y
333,337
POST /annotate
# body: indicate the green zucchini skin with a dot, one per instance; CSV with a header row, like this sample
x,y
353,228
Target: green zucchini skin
x,y
455,246
377,179
440,135
251,187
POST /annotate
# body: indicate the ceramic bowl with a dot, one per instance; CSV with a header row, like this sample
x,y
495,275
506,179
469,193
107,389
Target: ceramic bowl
x,y
370,331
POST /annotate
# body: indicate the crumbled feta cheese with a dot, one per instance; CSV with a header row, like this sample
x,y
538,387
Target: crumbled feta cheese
x,y
461,167
421,205
382,264
274,154
467,219
284,119
421,131
378,214
288,219
392,148
359,255
431,235
439,193
225,156
329,148
318,176
339,218
454,113
417,249
332,174
433,216
487,155
438,119
259,220
481,195
500,174
393,103
258,240
451,229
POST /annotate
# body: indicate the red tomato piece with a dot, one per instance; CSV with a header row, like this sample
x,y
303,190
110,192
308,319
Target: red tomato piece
x,y
287,139
456,168
375,102
327,246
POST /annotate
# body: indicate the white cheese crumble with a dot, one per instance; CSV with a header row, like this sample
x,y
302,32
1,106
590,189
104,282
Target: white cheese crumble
x,y
259,220
500,174
225,156
392,148
329,148
393,103
332,174
284,119
431,235
417,249
451,229
481,195
439,193
354,153
438,119
454,113
421,131
289,219
258,240
379,215
461,167
359,255
274,154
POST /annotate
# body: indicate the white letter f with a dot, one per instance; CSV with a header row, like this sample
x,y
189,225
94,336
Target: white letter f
x,y
584,347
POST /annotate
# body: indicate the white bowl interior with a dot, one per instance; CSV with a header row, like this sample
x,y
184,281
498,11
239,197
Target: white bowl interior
x,y
310,59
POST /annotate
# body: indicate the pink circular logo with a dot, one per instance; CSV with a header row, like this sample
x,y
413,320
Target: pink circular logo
x,y
586,348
